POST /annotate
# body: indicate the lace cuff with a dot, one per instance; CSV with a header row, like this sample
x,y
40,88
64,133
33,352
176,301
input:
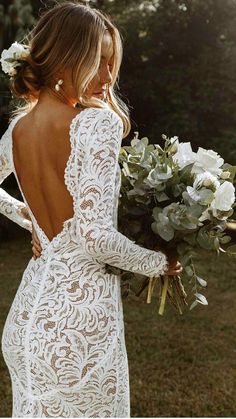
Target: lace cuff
x,y
11,208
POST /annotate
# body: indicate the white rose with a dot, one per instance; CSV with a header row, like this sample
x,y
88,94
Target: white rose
x,y
14,53
224,198
206,179
6,67
18,51
207,160
184,155
4,55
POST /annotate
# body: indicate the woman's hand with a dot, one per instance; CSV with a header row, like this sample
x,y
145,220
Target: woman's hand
x,y
175,268
36,248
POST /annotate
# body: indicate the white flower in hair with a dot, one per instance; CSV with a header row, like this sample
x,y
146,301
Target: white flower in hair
x,y
10,57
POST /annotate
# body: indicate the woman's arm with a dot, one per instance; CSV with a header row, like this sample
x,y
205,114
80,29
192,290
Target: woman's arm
x,y
9,206
95,202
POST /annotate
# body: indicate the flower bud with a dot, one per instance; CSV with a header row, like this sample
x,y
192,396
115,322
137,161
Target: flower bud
x,y
207,182
225,175
173,149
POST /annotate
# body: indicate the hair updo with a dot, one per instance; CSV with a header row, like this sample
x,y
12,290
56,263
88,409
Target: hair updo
x,y
27,81
69,35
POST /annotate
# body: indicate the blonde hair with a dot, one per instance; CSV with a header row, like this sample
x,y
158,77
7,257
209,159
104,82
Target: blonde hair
x,y
69,35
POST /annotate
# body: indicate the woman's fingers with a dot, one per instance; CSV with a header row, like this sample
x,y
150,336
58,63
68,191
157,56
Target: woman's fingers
x,y
36,248
178,267
175,268
35,238
35,252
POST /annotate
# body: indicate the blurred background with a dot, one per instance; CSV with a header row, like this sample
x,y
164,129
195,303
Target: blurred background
x,y
178,77
178,74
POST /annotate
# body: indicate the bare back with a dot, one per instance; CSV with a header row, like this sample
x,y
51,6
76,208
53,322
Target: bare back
x,y
41,149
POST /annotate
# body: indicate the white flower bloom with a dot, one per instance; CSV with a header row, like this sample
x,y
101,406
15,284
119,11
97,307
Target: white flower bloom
x,y
184,155
7,67
14,53
206,179
17,51
207,160
224,198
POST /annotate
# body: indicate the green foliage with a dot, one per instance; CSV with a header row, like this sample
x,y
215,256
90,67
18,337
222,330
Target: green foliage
x,y
172,198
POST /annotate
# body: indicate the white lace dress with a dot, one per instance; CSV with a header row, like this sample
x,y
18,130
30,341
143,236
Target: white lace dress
x,y
63,340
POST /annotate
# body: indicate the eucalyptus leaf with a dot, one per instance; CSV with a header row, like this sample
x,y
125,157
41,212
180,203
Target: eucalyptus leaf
x,y
155,213
165,231
201,298
188,271
204,239
216,243
185,259
161,196
194,304
225,239
201,281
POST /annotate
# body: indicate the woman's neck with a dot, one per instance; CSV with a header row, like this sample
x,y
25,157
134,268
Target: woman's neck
x,y
50,98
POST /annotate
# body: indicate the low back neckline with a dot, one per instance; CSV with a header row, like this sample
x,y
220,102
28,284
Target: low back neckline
x,y
44,240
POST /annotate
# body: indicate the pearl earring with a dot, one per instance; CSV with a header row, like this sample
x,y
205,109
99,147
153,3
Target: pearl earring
x,y
59,83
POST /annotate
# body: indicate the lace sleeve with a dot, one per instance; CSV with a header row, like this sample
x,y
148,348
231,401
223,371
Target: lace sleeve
x,y
9,206
95,202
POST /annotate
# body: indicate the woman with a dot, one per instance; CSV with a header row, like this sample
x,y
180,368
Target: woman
x,y
63,340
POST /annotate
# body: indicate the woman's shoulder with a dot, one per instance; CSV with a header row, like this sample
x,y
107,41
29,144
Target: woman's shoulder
x,y
101,118
100,112
6,136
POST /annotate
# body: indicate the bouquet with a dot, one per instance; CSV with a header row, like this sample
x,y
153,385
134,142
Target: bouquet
x,y
172,198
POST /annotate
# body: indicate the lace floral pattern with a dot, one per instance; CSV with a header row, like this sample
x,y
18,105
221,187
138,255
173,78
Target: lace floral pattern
x,y
9,206
63,340
96,197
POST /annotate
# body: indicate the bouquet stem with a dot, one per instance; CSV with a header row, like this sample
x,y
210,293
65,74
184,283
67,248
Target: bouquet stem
x,y
149,290
163,295
171,287
151,285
